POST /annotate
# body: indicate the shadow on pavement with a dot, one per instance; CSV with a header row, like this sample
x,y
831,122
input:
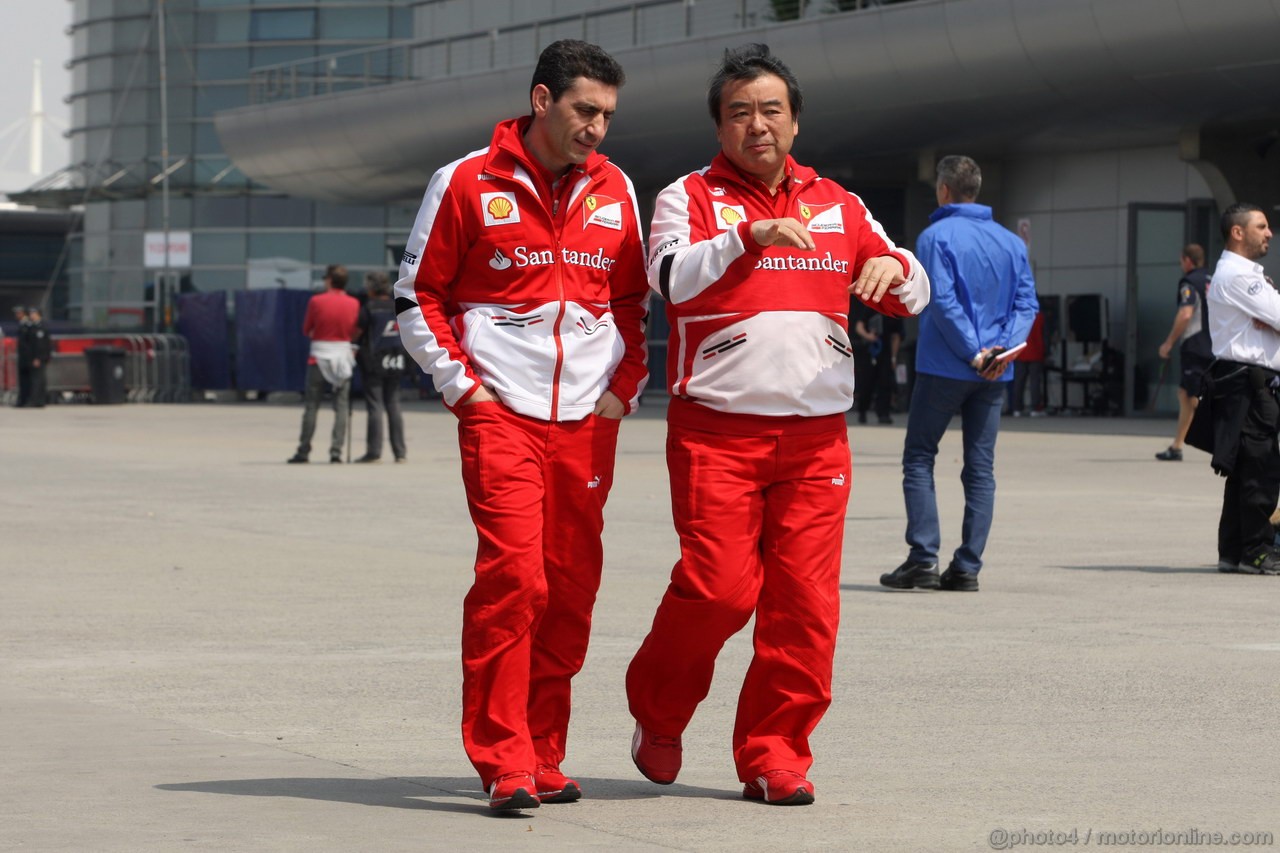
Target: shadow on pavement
x,y
407,793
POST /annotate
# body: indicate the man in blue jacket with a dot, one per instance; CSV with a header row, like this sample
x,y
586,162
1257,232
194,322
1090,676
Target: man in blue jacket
x,y
984,302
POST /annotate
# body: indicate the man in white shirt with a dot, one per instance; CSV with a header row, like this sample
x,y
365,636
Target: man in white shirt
x,y
1244,323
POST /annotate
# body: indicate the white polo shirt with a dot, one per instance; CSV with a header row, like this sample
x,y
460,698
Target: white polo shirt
x,y
1239,293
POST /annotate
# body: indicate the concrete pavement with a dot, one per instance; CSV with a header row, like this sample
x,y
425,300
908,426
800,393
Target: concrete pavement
x,y
202,648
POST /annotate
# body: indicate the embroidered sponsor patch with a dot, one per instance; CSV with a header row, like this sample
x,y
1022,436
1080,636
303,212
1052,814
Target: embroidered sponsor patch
x,y
409,258
603,211
499,261
823,218
728,215
499,209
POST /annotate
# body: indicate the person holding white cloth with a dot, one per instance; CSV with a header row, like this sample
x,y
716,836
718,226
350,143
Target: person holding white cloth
x,y
331,324
1242,389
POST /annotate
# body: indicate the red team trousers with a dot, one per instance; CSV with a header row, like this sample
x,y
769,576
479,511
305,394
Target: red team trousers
x,y
536,491
761,524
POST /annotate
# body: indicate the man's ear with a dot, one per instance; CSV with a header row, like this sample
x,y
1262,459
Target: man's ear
x,y
540,99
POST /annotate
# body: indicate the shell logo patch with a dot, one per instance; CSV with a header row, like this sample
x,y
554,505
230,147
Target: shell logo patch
x,y
728,215
603,211
823,218
499,209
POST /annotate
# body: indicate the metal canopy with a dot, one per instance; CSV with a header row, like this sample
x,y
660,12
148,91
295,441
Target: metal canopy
x,y
991,75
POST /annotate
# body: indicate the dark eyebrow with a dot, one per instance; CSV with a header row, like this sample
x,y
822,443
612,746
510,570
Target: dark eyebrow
x,y
775,102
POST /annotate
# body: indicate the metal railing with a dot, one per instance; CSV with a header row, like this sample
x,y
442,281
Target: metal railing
x,y
517,45
157,367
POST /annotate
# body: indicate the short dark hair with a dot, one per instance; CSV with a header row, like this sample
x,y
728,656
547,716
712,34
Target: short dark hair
x,y
1194,252
961,175
747,63
378,282
566,60
336,275
1237,214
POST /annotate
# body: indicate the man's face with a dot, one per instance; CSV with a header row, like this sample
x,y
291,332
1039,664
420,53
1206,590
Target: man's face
x,y
565,132
1255,236
756,128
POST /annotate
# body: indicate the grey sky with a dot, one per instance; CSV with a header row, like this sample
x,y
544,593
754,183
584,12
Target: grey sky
x,y
30,30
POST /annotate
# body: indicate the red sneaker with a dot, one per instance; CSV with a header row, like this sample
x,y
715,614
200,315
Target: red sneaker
x,y
780,788
656,756
513,791
554,786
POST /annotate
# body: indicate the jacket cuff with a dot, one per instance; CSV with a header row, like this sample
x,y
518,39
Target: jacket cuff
x,y
748,242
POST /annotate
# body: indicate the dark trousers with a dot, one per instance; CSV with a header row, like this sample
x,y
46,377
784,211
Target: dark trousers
x,y
31,387
873,380
1253,487
382,394
1024,372
341,408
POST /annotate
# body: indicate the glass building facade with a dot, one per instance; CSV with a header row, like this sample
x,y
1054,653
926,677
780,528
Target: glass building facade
x,y
242,235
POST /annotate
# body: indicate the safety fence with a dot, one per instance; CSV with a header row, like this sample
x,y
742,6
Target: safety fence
x,y
157,368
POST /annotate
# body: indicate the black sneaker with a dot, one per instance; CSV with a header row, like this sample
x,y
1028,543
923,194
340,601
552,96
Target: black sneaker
x,y
1264,562
912,575
367,459
335,460
296,459
957,581
1228,566
1173,454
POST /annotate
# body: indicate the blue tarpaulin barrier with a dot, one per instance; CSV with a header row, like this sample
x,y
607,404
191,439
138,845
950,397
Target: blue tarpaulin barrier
x,y
271,351
202,320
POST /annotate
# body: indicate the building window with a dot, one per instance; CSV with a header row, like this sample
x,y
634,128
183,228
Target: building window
x,y
282,25
363,23
222,64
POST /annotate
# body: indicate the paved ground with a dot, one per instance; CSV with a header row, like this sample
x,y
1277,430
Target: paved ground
x,y
202,648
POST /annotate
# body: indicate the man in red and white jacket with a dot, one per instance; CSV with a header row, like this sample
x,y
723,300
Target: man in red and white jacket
x,y
756,256
522,292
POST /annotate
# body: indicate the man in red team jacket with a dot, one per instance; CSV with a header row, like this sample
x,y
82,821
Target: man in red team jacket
x,y
756,256
522,292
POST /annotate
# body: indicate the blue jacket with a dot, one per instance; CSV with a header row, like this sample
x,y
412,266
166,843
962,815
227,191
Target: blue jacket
x,y
983,292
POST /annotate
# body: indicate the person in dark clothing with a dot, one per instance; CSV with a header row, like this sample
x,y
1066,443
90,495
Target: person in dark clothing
x,y
1191,328
382,365
34,348
875,340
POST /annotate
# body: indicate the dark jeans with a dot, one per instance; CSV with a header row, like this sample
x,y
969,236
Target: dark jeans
x,y
341,409
935,400
1252,489
382,393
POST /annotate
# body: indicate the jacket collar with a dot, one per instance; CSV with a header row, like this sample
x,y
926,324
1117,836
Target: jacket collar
x,y
967,209
507,151
794,174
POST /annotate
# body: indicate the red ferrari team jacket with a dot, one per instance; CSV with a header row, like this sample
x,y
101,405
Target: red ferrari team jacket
x,y
765,331
542,299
